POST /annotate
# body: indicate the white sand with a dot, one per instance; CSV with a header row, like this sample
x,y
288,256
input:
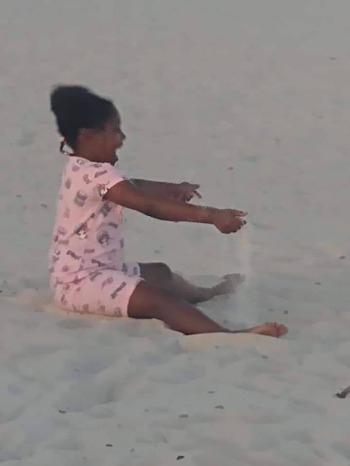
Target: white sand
x,y
203,85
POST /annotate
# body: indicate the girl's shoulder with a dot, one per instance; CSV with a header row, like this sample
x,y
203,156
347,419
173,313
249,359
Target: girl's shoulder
x,y
90,178
79,167
78,163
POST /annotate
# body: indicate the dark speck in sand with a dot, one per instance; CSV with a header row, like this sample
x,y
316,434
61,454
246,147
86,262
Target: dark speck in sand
x,y
342,257
332,58
43,205
230,168
62,411
183,416
285,312
343,393
318,283
109,445
18,196
219,407
180,457
264,356
211,392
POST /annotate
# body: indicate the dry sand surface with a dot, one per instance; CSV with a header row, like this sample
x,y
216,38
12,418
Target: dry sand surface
x,y
250,99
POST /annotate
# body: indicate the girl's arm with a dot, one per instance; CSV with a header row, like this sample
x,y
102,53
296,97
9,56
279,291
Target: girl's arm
x,y
177,191
127,195
153,188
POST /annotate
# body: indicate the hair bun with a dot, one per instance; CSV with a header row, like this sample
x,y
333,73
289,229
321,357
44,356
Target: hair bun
x,y
65,99
77,107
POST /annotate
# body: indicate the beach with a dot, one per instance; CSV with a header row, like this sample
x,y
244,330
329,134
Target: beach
x,y
251,100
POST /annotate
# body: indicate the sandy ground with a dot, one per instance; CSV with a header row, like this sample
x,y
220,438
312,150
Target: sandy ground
x,y
251,100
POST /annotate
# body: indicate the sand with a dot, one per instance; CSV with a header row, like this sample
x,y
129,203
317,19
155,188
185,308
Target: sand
x,y
251,100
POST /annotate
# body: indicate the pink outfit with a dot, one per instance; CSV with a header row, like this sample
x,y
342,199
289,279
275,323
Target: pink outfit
x,y
88,273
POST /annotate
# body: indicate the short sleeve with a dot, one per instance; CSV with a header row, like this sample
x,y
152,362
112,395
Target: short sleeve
x,y
98,178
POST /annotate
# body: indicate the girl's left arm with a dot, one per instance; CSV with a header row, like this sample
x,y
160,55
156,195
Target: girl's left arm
x,y
160,189
155,188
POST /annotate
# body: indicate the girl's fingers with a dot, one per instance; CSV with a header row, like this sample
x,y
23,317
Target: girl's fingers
x,y
191,190
240,213
194,189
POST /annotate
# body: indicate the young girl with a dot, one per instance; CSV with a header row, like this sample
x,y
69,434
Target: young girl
x,y
88,270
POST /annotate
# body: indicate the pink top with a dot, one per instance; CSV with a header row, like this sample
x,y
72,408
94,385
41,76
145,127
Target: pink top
x,y
88,232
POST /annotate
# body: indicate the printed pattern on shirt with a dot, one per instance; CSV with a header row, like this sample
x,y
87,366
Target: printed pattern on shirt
x,y
88,233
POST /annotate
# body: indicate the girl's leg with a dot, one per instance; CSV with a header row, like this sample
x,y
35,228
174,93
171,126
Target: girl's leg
x,y
112,293
160,276
148,302
195,294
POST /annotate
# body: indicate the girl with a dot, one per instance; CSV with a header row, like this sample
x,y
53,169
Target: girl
x,y
88,272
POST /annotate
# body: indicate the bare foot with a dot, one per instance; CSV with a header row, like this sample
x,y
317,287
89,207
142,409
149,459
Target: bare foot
x,y
229,284
271,329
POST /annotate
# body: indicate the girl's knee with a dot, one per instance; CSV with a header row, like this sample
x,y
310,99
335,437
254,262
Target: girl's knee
x,y
147,302
164,271
158,275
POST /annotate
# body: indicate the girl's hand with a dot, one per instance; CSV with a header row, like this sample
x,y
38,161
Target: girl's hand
x,y
184,192
239,213
229,220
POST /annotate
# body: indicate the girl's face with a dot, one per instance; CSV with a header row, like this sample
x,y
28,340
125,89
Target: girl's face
x,y
109,140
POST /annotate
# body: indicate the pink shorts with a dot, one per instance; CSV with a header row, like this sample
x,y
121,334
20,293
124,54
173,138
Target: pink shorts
x,y
105,292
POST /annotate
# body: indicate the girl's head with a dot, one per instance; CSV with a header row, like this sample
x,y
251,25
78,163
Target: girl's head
x,y
89,124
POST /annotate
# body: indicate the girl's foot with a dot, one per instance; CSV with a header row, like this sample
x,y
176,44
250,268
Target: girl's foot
x,y
228,285
271,329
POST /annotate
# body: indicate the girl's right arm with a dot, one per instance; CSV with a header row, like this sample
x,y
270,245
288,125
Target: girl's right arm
x,y
127,195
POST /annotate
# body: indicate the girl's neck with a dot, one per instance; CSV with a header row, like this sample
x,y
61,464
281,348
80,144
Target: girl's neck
x,y
88,155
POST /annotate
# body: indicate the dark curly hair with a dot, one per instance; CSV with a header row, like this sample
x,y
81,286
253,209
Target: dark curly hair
x,y
77,107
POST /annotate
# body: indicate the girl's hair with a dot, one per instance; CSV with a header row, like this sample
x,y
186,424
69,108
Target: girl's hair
x,y
76,107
